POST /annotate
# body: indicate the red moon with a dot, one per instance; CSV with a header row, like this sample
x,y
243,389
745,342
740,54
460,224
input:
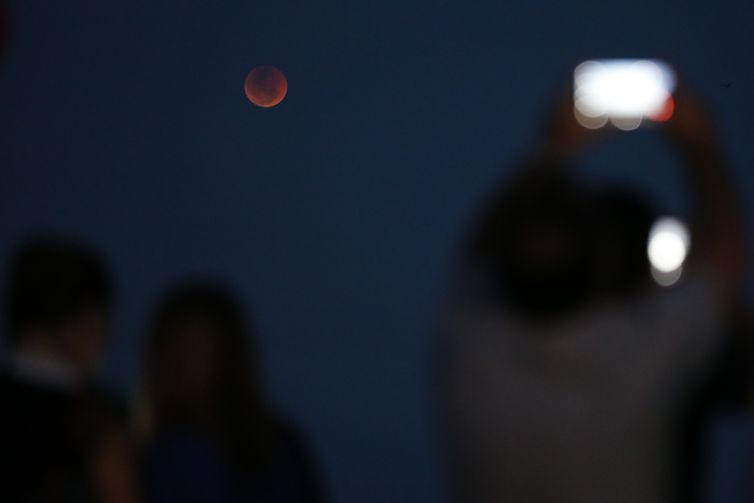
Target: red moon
x,y
265,86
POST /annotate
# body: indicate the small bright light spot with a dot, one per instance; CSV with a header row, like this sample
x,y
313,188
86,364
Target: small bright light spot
x,y
668,245
623,90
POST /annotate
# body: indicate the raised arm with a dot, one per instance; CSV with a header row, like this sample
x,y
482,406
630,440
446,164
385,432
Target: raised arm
x,y
717,226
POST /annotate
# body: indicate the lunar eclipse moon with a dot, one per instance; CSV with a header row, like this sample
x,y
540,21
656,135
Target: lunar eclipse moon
x,y
265,86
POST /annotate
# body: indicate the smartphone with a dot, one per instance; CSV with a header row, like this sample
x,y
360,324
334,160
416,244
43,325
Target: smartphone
x,y
623,92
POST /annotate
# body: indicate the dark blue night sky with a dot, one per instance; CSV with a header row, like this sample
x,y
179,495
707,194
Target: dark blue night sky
x,y
336,213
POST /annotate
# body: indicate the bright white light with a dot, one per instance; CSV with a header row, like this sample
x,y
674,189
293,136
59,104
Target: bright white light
x,y
668,244
623,90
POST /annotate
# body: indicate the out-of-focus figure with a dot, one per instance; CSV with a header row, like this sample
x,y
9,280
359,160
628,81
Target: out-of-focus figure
x,y
4,28
212,434
61,438
567,372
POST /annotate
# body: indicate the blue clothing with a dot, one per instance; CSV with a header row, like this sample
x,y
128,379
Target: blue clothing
x,y
182,466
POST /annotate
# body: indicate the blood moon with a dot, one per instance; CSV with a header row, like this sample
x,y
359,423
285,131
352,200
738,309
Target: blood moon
x,y
265,86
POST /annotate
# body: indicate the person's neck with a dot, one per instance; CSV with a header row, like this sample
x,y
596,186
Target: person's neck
x,y
37,360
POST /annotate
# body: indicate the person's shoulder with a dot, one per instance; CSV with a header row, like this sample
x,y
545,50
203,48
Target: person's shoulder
x,y
289,434
14,389
292,443
30,412
296,463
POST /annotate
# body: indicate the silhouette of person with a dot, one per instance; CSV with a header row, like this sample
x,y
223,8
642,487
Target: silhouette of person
x,y
213,436
565,368
62,438
4,29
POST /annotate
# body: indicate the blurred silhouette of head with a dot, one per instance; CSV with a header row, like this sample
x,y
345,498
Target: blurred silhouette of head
x,y
620,221
539,246
58,301
201,372
554,247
